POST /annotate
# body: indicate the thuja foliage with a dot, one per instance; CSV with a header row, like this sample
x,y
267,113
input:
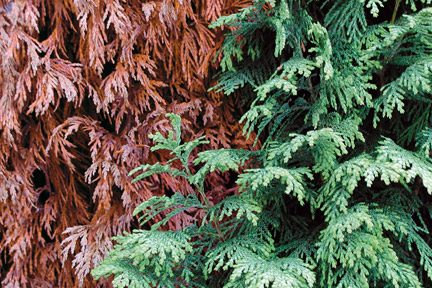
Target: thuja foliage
x,y
192,255
339,193
82,84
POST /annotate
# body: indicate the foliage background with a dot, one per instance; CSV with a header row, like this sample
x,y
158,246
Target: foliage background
x,y
82,84
338,93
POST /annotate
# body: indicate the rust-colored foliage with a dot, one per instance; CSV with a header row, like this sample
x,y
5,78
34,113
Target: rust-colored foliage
x,y
83,83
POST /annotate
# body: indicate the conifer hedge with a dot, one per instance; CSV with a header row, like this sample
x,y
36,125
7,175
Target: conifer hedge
x,y
339,193
236,143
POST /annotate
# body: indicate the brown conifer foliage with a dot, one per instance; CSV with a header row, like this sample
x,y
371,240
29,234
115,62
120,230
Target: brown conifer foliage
x,y
82,84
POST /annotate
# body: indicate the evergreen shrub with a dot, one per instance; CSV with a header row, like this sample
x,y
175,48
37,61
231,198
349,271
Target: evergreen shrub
x,y
339,193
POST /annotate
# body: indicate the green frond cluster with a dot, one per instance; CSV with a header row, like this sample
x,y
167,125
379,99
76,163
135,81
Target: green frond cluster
x,y
159,254
339,193
286,272
221,239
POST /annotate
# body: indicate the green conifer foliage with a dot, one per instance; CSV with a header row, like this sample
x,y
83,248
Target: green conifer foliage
x,y
339,194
